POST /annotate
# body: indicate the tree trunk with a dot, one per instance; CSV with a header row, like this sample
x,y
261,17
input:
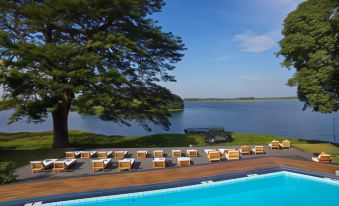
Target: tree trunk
x,y
60,126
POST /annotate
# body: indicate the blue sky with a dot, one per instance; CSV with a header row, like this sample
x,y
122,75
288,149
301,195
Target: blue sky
x,y
231,47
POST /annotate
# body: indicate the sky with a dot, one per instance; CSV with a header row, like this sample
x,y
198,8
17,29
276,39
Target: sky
x,y
231,46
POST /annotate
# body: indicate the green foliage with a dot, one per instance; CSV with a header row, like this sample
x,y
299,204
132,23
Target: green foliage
x,y
240,99
94,57
6,172
311,46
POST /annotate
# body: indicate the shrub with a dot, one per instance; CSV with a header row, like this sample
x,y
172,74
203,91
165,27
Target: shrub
x,y
6,172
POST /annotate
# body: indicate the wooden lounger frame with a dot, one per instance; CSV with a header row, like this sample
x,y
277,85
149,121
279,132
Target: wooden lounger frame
x,y
157,154
85,155
232,154
71,155
193,153
100,165
119,154
213,156
124,166
274,144
159,164
141,154
103,155
38,167
176,153
245,150
286,144
184,163
259,150
323,158
61,166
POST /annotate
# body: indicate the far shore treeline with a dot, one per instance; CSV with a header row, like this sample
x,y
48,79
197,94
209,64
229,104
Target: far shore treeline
x,y
238,99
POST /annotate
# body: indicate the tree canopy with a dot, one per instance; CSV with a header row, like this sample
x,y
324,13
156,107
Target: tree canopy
x,y
62,55
311,46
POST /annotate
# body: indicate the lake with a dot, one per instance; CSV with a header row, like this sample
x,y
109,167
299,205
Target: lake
x,y
281,118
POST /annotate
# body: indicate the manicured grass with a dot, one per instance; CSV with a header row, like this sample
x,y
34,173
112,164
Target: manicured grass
x,y
23,147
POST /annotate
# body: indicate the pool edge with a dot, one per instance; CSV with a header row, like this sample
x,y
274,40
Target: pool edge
x,y
166,185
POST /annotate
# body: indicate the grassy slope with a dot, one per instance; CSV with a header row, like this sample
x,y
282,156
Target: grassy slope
x,y
22,147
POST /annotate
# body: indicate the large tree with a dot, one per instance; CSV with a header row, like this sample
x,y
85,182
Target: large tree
x,y
102,57
311,46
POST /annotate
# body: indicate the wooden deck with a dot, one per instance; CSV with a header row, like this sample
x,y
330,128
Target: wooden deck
x,y
81,184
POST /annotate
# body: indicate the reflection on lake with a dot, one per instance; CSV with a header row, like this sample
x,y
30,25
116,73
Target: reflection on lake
x,y
283,118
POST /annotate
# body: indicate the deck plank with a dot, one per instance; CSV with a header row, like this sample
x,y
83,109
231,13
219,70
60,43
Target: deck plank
x,y
89,183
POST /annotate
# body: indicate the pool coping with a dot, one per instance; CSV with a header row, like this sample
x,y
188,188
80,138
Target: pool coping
x,y
166,185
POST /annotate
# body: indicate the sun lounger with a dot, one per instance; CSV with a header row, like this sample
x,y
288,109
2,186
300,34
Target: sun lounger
x,y
209,150
184,161
158,153
245,150
323,157
126,164
63,165
159,162
101,164
142,154
73,154
87,154
41,166
176,153
104,154
274,144
213,156
258,150
232,154
120,154
192,152
286,144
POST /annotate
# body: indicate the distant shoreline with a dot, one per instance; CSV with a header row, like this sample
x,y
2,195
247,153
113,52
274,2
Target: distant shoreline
x,y
241,99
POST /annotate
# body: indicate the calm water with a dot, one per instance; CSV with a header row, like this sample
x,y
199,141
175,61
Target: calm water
x,y
275,189
282,118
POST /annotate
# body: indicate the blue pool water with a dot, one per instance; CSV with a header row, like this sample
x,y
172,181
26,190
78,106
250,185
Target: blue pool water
x,y
282,188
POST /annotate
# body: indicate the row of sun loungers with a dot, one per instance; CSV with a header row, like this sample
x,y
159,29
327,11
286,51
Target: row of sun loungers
x,y
159,160
58,165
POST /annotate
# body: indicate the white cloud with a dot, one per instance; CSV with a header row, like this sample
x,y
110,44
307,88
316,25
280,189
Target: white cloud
x,y
250,42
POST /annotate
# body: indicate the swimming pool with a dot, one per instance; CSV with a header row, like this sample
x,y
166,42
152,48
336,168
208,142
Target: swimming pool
x,y
279,188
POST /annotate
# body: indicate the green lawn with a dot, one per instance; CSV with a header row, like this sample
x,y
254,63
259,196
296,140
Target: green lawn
x,y
23,147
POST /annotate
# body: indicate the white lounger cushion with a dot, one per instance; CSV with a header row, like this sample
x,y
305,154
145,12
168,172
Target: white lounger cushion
x,y
77,153
159,159
209,150
176,150
45,162
192,150
131,160
315,159
184,159
90,152
106,161
106,152
158,151
67,162
48,162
